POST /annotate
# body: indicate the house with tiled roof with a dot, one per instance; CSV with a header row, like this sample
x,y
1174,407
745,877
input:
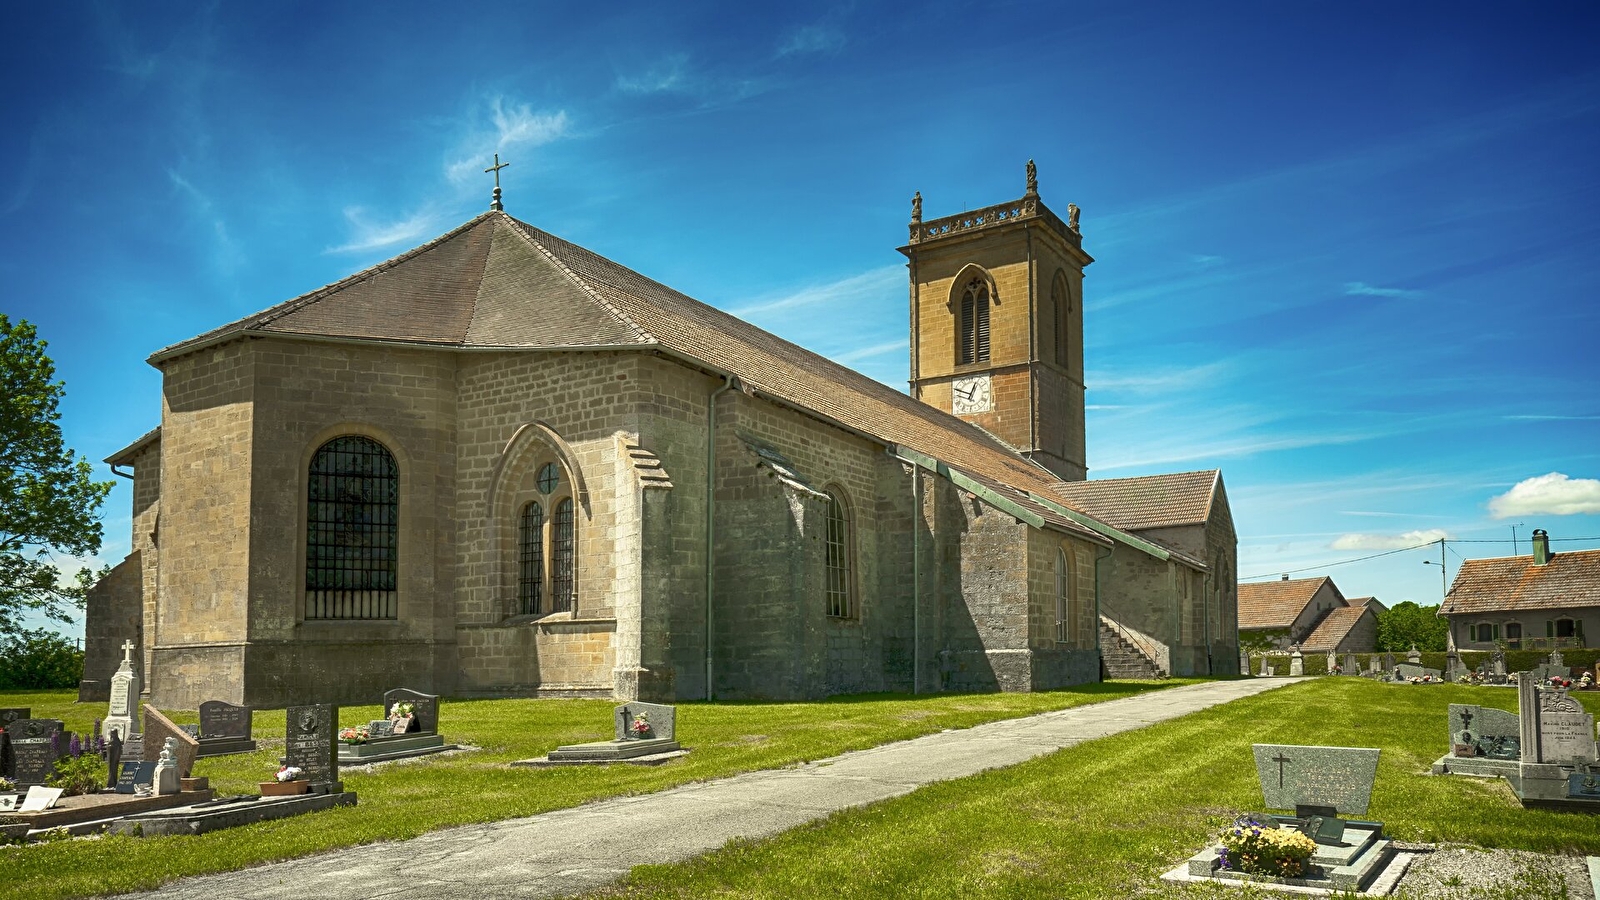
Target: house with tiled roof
x,y
502,464
1309,612
1545,600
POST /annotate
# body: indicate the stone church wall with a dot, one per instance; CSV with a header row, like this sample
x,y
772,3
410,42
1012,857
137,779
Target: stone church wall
x,y
1077,660
113,613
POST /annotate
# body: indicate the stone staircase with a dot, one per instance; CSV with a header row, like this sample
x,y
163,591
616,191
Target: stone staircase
x,y
1119,658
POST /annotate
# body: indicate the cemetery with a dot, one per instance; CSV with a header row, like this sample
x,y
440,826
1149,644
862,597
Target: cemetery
x,y
1113,815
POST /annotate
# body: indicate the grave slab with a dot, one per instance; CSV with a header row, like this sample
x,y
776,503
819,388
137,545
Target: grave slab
x,y
228,813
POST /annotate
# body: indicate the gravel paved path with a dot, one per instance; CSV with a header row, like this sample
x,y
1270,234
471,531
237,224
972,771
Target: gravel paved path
x,y
578,849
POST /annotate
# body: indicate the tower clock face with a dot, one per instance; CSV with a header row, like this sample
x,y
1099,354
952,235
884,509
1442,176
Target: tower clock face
x,y
971,394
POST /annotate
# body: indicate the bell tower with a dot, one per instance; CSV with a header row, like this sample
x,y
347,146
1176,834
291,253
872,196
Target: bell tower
x,y
997,323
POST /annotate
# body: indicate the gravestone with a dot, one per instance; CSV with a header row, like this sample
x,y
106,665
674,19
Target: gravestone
x,y
1557,660
311,744
36,744
1414,656
1497,662
1566,731
1484,731
157,728
123,715
165,778
1388,662
425,708
1266,667
1352,666
1331,663
1453,669
1295,777
1407,671
1244,662
225,728
135,774
659,720
1297,663
380,728
113,757
133,746
9,714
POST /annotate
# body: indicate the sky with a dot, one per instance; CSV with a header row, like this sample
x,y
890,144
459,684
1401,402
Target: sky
x,y
1344,252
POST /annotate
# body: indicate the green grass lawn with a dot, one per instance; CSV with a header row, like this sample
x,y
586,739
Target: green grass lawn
x,y
404,799
1106,818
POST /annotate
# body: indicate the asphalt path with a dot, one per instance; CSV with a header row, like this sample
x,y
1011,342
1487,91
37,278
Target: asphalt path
x,y
569,851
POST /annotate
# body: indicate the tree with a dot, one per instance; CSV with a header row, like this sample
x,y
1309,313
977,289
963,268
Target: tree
x,y
39,660
48,502
1406,624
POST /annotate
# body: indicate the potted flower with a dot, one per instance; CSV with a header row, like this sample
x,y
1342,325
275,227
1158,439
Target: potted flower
x,y
1258,848
287,783
353,736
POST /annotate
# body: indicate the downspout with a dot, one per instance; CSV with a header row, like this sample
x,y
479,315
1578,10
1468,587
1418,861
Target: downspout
x,y
1205,620
711,522
1098,651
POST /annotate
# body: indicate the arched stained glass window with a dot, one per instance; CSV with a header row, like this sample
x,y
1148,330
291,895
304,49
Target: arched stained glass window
x,y
562,557
974,329
352,531
837,559
530,558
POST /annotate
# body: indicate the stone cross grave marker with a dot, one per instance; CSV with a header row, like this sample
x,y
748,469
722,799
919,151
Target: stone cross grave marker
x,y
1297,663
1566,731
1484,731
157,728
311,745
1266,667
36,744
1244,662
225,720
1497,659
123,714
660,722
425,708
1388,662
1352,666
1318,783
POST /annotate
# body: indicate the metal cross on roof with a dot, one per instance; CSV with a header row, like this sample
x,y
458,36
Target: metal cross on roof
x,y
498,165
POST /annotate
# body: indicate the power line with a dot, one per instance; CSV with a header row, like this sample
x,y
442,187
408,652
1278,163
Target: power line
x,y
1342,562
1503,540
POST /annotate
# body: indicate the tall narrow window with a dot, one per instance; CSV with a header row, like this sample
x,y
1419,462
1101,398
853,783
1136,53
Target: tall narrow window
x,y
352,531
975,322
837,552
1061,303
1063,597
530,558
561,557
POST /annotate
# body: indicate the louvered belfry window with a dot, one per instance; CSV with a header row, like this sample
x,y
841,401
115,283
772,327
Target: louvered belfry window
x,y
561,557
1062,303
837,560
975,322
352,531
530,558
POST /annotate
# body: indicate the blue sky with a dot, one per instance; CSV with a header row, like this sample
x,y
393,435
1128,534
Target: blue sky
x,y
1345,251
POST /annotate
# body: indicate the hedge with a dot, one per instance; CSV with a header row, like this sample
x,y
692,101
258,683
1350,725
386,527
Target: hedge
x,y
1316,662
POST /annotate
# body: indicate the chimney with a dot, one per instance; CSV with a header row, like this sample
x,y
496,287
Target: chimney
x,y
1541,547
1285,578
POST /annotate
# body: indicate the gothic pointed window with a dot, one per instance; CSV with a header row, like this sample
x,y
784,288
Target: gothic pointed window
x,y
562,553
352,531
1063,597
1061,306
974,325
836,551
546,549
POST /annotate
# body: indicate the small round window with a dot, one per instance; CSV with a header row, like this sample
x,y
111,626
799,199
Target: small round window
x,y
549,478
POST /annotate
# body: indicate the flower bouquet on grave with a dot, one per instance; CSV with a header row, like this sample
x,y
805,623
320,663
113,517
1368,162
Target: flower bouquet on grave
x,y
640,725
353,736
401,715
286,783
1556,681
1586,682
1258,848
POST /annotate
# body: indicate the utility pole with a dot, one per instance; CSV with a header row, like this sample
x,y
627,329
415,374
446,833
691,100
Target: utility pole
x,y
1444,591
1514,538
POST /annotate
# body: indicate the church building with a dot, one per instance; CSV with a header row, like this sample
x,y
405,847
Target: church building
x,y
500,464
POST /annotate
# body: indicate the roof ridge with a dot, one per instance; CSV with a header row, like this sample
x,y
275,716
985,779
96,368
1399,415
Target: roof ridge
x,y
523,229
295,304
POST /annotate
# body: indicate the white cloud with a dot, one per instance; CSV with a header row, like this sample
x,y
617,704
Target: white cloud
x,y
861,353
369,235
869,287
812,39
510,125
1388,541
671,76
1362,289
1553,494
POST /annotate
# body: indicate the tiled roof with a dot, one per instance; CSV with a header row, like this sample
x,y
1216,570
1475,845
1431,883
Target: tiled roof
x,y
126,454
1334,627
1515,583
1276,604
1152,501
496,282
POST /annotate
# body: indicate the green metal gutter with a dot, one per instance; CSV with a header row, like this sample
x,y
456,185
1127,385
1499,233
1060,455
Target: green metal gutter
x,y
998,501
1099,527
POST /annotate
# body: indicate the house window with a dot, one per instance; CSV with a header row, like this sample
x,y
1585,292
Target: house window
x,y
530,558
975,322
1566,628
1513,634
837,559
1063,597
547,546
352,531
1483,632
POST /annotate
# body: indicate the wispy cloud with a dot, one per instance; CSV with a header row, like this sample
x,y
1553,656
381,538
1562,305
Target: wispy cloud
x,y
869,352
1552,418
869,286
1362,289
812,39
503,124
367,234
1388,515
1158,380
1388,541
205,209
1189,451
671,75
1554,494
